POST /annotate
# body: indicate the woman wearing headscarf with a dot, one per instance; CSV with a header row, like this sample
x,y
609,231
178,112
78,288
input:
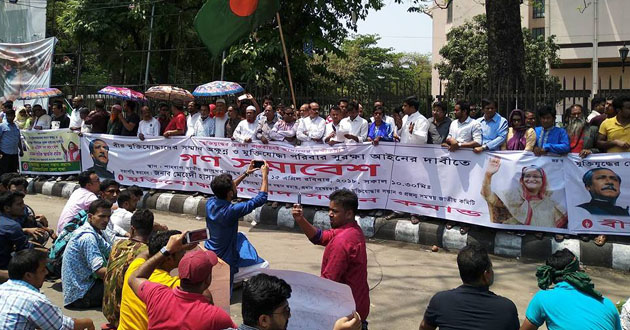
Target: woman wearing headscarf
x,y
21,118
520,137
531,203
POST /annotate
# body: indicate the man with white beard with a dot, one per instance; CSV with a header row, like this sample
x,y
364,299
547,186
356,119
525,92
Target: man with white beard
x,y
582,136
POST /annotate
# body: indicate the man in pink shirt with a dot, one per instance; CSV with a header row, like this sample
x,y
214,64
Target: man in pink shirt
x,y
345,256
184,307
80,198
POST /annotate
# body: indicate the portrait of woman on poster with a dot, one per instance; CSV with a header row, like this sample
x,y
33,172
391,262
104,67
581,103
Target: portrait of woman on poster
x,y
530,203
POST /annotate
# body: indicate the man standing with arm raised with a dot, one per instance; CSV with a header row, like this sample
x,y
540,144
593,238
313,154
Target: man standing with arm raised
x,y
345,256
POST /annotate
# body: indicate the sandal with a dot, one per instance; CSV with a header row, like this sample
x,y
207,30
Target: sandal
x,y
521,234
449,225
464,230
274,205
392,216
558,237
584,238
415,219
600,240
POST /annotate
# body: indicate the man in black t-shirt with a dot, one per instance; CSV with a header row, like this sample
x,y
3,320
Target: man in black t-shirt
x,y
130,119
471,305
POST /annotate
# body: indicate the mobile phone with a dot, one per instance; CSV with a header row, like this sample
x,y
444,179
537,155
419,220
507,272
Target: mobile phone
x,y
299,198
242,97
258,163
196,236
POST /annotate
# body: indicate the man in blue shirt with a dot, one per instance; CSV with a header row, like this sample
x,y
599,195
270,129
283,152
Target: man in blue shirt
x,y
12,237
494,128
549,138
573,303
23,306
222,220
85,259
10,144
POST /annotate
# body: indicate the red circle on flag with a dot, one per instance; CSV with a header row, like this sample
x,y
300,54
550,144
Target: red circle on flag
x,y
587,223
243,8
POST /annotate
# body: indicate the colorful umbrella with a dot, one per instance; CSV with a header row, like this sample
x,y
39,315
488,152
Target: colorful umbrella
x,y
217,88
123,93
40,93
169,93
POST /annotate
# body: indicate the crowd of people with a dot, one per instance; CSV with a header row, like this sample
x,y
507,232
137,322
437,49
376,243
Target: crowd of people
x,y
109,254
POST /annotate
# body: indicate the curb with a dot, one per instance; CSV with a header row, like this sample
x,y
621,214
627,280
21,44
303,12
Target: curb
x,y
614,254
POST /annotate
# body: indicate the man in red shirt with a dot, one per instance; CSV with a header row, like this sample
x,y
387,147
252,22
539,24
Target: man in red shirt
x,y
345,256
177,125
184,307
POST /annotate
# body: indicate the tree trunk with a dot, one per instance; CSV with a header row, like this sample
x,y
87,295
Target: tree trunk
x,y
506,52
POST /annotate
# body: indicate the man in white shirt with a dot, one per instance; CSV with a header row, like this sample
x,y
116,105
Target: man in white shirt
x,y
42,120
121,217
245,132
415,128
75,116
464,132
193,117
330,134
354,127
266,123
220,118
311,129
148,126
204,126
302,113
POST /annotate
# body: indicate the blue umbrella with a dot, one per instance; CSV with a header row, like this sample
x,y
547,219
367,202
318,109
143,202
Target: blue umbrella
x,y
218,88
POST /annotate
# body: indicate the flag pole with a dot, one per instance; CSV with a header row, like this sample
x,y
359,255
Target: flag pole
x,y
286,59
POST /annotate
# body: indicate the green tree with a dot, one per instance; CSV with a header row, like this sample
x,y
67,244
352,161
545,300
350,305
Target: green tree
x,y
465,63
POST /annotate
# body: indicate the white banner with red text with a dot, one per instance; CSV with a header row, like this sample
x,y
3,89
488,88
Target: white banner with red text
x,y
508,190
600,193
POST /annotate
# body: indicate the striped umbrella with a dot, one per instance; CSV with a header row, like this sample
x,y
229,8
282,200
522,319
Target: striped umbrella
x,y
169,93
123,93
40,93
218,88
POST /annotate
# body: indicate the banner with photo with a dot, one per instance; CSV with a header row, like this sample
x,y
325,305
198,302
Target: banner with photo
x,y
600,194
509,190
25,66
50,152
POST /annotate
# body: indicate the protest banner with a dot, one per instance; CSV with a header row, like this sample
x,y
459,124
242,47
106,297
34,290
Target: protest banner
x,y
190,164
25,66
507,190
600,196
50,152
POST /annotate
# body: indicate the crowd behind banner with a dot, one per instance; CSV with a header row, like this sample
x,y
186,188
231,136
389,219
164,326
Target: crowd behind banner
x,y
438,167
487,171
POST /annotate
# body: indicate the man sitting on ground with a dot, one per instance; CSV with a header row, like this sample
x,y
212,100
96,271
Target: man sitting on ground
x,y
35,226
85,260
81,198
133,312
471,305
121,217
184,307
23,306
345,256
573,303
123,253
12,237
222,220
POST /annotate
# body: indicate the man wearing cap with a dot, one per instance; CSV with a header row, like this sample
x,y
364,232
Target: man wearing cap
x,y
245,132
220,118
184,307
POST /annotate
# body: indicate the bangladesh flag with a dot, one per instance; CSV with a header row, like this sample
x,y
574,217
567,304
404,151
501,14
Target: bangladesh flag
x,y
220,23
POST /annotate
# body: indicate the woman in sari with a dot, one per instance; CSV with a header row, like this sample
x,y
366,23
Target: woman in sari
x,y
530,204
520,137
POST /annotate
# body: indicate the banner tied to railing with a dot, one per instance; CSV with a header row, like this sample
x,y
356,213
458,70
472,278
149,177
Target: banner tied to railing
x,y
508,190
50,152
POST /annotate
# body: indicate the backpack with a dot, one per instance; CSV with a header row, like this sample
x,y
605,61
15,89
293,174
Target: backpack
x,y
55,256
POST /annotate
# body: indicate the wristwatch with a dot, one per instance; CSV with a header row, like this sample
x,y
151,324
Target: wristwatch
x,y
459,144
165,252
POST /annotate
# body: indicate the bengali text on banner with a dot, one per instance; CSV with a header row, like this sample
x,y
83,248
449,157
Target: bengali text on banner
x,y
50,152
